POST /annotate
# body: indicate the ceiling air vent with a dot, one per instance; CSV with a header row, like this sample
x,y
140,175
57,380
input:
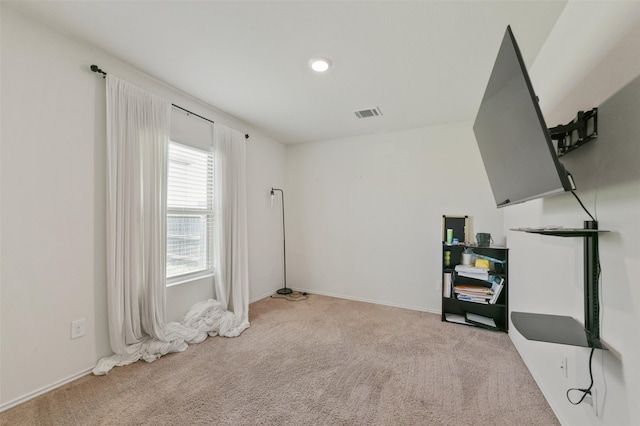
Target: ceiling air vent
x,y
365,113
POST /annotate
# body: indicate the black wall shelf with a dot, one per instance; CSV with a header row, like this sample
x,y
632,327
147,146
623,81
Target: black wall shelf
x,y
563,329
554,329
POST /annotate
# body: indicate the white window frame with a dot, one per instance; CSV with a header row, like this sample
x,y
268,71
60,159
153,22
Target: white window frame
x,y
186,210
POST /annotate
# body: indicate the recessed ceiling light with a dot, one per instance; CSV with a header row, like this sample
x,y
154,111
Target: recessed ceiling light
x,y
320,64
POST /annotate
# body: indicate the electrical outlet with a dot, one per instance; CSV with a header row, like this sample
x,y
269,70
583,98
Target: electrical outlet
x,y
77,328
563,366
592,400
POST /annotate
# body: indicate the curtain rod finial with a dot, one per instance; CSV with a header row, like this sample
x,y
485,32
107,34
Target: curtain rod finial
x,y
97,69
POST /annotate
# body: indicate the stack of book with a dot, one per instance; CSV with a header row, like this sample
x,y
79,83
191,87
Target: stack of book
x,y
474,284
473,293
472,272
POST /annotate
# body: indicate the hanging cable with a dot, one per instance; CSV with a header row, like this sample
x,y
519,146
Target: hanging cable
x,y
598,271
585,209
97,69
586,391
598,268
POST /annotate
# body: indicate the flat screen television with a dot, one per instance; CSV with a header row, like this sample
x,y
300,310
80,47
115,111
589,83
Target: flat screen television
x,y
514,141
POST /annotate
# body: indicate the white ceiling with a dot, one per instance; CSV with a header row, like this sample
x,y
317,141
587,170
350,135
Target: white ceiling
x,y
422,63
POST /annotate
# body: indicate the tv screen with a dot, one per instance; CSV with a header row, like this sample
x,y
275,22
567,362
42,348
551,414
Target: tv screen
x,y
512,136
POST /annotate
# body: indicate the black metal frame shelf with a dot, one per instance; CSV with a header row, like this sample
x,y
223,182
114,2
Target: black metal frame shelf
x,y
499,311
563,329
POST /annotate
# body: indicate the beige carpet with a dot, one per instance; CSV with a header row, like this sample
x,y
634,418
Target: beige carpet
x,y
322,361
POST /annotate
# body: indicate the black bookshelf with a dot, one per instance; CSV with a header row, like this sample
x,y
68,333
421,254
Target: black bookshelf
x,y
498,311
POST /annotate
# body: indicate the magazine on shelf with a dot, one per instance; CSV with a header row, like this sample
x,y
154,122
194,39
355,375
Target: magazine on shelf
x,y
479,291
472,272
480,320
463,280
469,268
473,289
455,318
496,288
473,299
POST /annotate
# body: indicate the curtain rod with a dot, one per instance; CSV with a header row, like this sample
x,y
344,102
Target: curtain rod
x,y
96,69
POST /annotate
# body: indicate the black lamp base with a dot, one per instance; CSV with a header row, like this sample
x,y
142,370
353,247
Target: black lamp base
x,y
284,290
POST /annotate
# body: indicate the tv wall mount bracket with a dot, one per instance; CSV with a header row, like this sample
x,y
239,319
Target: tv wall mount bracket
x,y
579,131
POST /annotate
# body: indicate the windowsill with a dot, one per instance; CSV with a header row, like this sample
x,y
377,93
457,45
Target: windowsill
x,y
189,278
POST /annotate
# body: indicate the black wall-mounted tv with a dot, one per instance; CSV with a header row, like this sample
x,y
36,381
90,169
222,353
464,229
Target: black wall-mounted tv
x,y
512,136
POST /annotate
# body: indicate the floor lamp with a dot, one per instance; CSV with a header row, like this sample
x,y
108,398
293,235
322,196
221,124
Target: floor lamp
x,y
283,290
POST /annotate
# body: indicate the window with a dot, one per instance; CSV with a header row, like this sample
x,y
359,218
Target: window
x,y
189,213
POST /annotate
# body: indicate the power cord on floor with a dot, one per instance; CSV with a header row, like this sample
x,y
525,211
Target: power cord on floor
x,y
587,391
296,296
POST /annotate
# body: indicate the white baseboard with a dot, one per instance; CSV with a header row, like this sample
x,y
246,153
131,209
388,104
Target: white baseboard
x,y
374,301
43,390
265,295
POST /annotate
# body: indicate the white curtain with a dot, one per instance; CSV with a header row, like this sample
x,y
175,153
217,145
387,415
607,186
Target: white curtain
x,y
230,229
137,143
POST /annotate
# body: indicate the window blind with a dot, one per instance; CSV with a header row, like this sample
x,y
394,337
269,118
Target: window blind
x,y
189,211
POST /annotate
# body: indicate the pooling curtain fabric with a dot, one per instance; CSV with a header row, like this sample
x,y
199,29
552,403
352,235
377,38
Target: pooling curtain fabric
x,y
230,229
138,125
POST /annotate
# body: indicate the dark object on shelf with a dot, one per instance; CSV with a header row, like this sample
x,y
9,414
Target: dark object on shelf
x,y
480,321
460,227
514,141
569,335
483,239
581,130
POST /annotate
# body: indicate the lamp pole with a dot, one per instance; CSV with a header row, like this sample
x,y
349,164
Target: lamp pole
x,y
283,290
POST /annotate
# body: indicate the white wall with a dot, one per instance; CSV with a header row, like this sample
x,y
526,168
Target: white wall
x,y
364,214
52,208
591,59
265,169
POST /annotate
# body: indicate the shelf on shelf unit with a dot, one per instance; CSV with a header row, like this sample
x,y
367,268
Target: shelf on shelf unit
x,y
561,232
563,329
554,329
